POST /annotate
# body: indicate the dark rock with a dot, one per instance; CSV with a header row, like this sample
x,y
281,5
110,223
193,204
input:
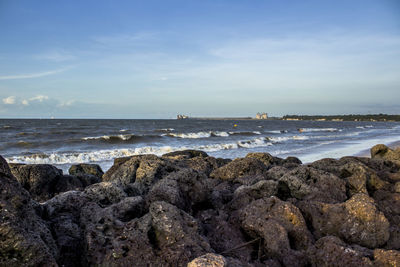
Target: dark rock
x,y
25,239
267,159
281,226
240,168
331,251
176,234
40,180
105,193
305,182
86,169
355,221
245,194
167,190
185,154
4,168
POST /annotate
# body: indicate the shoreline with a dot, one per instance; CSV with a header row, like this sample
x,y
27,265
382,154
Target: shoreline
x,y
367,154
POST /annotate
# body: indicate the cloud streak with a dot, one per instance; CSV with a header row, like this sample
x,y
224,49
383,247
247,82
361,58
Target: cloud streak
x,y
32,75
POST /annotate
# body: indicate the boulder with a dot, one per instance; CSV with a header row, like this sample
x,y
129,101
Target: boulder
x,y
305,182
331,251
281,226
355,221
245,194
4,168
105,193
86,169
25,239
267,159
240,167
208,260
39,179
185,154
383,152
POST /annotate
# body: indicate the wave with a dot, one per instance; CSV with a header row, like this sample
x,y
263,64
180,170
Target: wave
x,y
7,126
281,139
245,133
164,130
23,144
277,131
320,130
110,154
121,138
198,134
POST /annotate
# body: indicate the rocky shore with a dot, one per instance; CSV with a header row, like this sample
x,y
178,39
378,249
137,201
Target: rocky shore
x,y
189,209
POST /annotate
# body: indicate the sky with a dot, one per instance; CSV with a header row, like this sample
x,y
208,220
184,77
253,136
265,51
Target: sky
x,y
155,59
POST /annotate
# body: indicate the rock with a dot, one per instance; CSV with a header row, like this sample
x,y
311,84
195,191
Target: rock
x,y
86,169
275,221
208,260
240,168
176,234
188,154
243,195
202,164
355,221
383,152
4,168
167,190
308,183
396,187
266,158
40,180
105,193
386,258
331,251
25,239
63,214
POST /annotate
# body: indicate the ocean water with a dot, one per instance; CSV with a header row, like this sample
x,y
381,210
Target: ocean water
x,y
65,142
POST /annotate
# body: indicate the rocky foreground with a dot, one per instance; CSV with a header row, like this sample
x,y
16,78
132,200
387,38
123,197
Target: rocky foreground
x,y
186,208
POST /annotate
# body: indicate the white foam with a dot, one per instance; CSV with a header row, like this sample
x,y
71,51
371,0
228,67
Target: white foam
x,y
280,139
109,154
198,134
123,137
321,130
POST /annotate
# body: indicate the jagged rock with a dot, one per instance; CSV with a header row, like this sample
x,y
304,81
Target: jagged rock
x,y
308,183
143,170
267,159
331,251
86,169
356,220
243,195
240,168
105,193
185,154
275,221
276,172
384,152
167,190
4,168
208,260
111,242
25,239
386,258
176,234
63,214
40,180
202,164
217,224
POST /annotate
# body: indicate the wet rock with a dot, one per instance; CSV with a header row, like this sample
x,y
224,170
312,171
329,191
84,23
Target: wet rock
x,y
240,168
386,258
281,227
176,234
383,152
308,183
25,239
185,154
331,251
40,180
355,221
86,169
208,260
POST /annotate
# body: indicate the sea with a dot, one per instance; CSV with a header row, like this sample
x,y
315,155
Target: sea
x,y
66,142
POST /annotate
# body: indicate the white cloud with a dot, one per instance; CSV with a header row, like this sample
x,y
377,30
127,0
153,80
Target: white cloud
x,y
32,75
56,56
9,100
38,98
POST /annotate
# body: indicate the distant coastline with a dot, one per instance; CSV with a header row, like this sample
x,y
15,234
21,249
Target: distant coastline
x,y
351,117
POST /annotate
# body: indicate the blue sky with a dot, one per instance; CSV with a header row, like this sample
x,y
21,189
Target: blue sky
x,y
154,59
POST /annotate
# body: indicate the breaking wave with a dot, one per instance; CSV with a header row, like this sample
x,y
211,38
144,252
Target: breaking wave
x,y
121,138
320,130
